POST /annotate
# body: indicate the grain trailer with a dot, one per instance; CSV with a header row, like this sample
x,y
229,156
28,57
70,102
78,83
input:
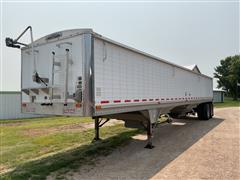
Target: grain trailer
x,y
81,73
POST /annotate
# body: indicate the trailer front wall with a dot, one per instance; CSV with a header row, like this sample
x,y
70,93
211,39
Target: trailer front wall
x,y
44,63
61,62
123,76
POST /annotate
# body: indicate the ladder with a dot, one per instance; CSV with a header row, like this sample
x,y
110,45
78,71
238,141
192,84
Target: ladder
x,y
62,69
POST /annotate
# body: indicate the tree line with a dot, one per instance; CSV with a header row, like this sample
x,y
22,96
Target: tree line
x,y
228,75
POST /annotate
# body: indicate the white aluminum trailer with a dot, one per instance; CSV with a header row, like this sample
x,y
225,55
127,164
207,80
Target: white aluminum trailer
x,y
81,73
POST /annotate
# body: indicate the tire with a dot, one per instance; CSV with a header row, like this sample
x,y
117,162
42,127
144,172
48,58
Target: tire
x,y
204,111
200,111
211,110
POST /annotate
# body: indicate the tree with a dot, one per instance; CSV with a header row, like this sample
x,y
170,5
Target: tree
x,y
228,75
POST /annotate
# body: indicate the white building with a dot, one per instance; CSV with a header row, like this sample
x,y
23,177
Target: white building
x,y
194,68
218,95
10,106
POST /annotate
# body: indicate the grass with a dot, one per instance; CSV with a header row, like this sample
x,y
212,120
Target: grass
x,y
35,148
228,102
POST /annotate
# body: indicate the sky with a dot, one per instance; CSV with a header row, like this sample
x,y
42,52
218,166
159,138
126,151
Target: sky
x,y
184,33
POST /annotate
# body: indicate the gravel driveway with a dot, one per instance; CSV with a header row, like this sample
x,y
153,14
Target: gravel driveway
x,y
186,149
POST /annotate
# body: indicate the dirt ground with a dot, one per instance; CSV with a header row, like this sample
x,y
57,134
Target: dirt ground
x,y
185,149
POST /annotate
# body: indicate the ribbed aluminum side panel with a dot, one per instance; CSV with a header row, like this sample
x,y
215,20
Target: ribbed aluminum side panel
x,y
121,74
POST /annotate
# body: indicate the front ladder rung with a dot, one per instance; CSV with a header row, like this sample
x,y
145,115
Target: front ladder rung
x,y
56,97
57,71
57,63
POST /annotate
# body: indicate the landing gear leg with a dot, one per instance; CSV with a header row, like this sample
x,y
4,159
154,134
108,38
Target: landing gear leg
x,y
149,135
151,116
96,138
99,123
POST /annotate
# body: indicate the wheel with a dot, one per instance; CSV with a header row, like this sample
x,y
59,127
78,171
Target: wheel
x,y
204,111
200,111
211,110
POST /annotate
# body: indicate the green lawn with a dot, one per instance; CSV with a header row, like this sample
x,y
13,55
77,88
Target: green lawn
x,y
34,148
228,102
